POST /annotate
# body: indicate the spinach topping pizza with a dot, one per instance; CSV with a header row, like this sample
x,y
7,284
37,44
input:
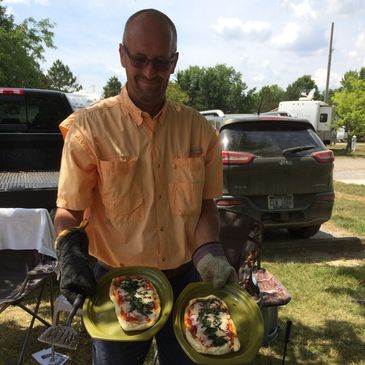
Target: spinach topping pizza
x,y
209,328
136,302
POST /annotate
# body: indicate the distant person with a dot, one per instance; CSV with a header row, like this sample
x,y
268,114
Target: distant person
x,y
333,139
353,143
144,171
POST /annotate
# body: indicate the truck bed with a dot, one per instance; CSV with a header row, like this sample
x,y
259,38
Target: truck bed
x,y
30,189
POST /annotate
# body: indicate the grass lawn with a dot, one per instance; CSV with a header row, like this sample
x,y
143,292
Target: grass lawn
x,y
328,328
349,209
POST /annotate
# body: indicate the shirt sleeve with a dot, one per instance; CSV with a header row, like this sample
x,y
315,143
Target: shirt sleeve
x,y
213,186
78,172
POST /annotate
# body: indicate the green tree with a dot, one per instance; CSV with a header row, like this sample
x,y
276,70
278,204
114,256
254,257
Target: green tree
x,y
189,81
112,87
22,50
271,96
218,87
362,73
60,77
175,93
303,84
350,106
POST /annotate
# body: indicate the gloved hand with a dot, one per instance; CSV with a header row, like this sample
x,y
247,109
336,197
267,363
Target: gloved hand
x,y
76,276
212,264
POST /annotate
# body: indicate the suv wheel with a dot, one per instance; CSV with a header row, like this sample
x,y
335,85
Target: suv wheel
x,y
304,232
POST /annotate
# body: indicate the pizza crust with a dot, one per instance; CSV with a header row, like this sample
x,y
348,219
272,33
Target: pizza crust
x,y
194,332
134,320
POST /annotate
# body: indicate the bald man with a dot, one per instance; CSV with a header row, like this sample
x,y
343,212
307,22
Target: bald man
x,y
143,172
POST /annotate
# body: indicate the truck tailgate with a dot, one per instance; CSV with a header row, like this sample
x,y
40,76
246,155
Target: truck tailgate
x,y
35,189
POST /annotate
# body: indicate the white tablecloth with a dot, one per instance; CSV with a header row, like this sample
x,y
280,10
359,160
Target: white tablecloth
x,y
22,229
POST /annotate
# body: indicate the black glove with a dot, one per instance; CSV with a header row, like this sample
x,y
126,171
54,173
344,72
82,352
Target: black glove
x,y
76,275
212,264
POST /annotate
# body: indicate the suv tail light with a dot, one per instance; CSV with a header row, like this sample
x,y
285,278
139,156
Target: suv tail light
x,y
236,158
328,198
228,202
323,156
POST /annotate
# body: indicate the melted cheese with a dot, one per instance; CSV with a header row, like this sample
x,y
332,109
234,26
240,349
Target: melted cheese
x,y
211,331
141,292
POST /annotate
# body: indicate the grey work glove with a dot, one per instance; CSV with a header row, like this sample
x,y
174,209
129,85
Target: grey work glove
x,y
76,275
212,264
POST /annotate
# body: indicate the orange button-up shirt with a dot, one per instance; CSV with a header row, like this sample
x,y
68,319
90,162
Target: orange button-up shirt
x,y
140,181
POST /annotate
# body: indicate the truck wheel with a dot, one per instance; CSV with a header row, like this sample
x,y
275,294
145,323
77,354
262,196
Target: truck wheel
x,y
304,232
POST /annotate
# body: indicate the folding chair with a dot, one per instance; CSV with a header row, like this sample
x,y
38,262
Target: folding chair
x,y
25,272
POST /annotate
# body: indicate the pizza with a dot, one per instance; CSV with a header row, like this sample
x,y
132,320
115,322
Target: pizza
x,y
209,328
136,302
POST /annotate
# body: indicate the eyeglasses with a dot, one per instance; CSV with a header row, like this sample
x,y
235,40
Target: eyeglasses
x,y
159,64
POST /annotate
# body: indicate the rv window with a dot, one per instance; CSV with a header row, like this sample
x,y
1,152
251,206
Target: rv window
x,y
323,118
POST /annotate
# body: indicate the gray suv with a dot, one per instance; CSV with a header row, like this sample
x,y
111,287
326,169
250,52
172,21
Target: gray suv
x,y
276,170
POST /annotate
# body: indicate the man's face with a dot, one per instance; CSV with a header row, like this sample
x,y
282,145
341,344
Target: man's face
x,y
149,59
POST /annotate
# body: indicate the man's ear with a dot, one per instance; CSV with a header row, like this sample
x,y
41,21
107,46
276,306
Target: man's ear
x,y
122,55
173,66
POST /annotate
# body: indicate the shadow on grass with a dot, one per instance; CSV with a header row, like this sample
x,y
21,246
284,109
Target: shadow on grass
x,y
341,152
334,342
307,255
12,337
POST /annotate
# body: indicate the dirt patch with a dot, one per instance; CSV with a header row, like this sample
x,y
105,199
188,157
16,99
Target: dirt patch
x,y
332,245
350,197
348,262
329,228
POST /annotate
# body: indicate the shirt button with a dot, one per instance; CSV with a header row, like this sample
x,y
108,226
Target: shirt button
x,y
159,196
163,259
161,229
158,165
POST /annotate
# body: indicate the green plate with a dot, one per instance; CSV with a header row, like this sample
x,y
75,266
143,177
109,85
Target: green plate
x,y
99,314
244,312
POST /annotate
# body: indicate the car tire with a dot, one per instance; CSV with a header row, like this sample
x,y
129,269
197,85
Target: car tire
x,y
304,232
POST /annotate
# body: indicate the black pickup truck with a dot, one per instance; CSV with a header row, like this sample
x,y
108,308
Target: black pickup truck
x,y
30,146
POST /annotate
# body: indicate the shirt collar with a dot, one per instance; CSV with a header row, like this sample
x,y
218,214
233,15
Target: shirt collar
x,y
136,113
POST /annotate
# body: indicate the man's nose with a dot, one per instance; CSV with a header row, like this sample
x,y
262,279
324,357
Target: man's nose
x,y
149,70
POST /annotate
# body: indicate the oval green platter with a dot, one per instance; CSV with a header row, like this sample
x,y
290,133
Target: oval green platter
x,y
99,315
245,313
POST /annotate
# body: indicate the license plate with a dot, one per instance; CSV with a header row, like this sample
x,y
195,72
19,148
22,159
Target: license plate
x,y
280,201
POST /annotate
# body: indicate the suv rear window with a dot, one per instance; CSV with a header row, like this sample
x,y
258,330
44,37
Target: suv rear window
x,y
269,138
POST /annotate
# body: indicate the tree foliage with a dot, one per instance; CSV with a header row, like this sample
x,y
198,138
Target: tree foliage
x,y
270,97
218,87
350,105
303,84
60,77
175,93
22,50
112,87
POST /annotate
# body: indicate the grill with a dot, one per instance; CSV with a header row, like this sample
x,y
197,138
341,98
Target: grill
x,y
35,180
241,237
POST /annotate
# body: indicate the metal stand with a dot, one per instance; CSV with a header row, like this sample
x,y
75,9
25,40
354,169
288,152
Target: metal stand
x,y
286,340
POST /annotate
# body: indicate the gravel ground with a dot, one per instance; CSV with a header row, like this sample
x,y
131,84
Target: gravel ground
x,y
349,170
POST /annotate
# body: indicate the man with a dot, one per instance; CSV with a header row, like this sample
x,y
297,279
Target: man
x,y
144,172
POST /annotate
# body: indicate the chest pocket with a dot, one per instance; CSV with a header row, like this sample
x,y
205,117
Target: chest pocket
x,y
120,191
186,187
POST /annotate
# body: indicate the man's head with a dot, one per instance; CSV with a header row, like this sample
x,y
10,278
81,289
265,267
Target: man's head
x,y
148,54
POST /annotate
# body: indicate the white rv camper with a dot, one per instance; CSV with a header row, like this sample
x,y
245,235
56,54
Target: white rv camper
x,y
317,112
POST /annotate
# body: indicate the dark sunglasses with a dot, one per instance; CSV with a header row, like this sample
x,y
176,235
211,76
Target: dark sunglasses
x,y
159,64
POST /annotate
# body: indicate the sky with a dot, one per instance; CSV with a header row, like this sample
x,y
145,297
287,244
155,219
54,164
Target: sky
x,y
267,41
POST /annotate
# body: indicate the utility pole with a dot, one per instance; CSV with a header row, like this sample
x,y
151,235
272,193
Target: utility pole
x,y
329,66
